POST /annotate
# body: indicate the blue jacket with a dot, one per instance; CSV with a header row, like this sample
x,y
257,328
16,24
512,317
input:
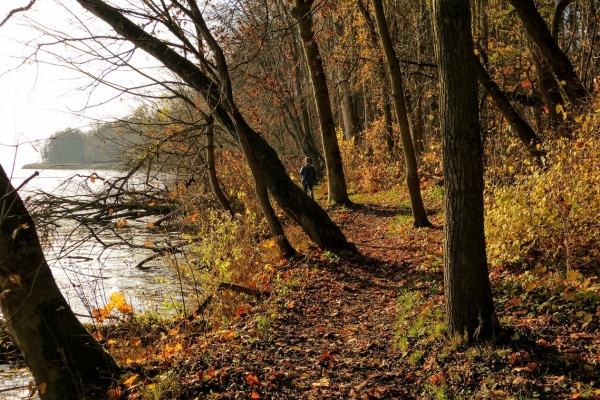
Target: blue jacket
x,y
309,174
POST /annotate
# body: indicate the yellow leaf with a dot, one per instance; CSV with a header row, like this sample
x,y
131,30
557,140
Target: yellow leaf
x,y
111,342
97,335
323,382
511,169
563,82
178,347
132,379
174,331
573,276
559,108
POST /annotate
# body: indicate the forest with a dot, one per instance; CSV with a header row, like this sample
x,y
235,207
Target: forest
x,y
452,247
99,148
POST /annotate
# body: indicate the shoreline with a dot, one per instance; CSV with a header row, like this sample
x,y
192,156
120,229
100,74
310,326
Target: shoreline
x,y
102,166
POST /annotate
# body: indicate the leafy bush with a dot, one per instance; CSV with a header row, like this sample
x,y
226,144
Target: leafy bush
x,y
549,213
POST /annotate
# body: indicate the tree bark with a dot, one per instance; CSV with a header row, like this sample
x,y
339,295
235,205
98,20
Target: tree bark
x,y
519,125
212,171
315,222
412,170
336,183
557,17
62,356
561,65
469,303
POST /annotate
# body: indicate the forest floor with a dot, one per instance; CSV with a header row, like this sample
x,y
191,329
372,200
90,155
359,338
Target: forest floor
x,y
371,326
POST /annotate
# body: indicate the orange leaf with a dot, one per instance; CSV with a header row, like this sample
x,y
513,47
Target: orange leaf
x,y
111,211
131,380
252,379
325,356
255,395
92,179
42,387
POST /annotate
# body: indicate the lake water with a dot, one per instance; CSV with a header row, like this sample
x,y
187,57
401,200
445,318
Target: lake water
x,y
87,273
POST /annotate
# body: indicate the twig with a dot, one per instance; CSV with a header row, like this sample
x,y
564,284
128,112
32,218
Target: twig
x,y
25,182
222,286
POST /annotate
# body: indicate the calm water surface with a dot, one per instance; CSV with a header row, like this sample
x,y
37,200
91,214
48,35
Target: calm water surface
x,y
88,274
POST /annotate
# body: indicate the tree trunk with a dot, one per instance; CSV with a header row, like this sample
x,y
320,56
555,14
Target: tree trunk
x,y
561,65
63,357
307,213
469,303
212,171
412,171
557,17
519,125
260,186
550,91
336,183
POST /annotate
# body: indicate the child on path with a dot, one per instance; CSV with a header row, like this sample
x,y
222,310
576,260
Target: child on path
x,y
309,176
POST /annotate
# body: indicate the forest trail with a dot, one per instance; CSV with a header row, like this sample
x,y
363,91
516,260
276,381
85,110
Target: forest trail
x,y
371,327
329,331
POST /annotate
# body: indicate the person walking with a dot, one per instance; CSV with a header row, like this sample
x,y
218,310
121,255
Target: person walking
x,y
309,176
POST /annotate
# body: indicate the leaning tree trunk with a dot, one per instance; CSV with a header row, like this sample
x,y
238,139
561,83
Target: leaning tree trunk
x,y
561,65
212,170
315,222
336,183
525,133
469,303
412,169
65,360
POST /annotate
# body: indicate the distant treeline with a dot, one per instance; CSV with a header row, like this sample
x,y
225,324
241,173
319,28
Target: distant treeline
x,y
101,146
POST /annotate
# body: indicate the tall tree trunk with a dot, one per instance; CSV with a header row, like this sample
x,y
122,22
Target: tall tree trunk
x,y
412,171
315,222
550,91
64,358
469,303
561,65
388,133
345,92
212,171
519,125
336,183
260,186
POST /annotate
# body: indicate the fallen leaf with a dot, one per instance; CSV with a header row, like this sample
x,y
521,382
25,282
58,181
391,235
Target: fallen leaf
x,y
252,379
323,382
131,380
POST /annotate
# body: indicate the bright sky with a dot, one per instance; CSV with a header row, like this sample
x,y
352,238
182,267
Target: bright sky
x,y
38,99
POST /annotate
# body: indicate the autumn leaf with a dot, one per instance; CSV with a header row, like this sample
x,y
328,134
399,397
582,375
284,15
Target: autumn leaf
x,y
252,379
323,382
14,278
255,395
151,204
92,179
111,211
131,380
174,331
42,387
